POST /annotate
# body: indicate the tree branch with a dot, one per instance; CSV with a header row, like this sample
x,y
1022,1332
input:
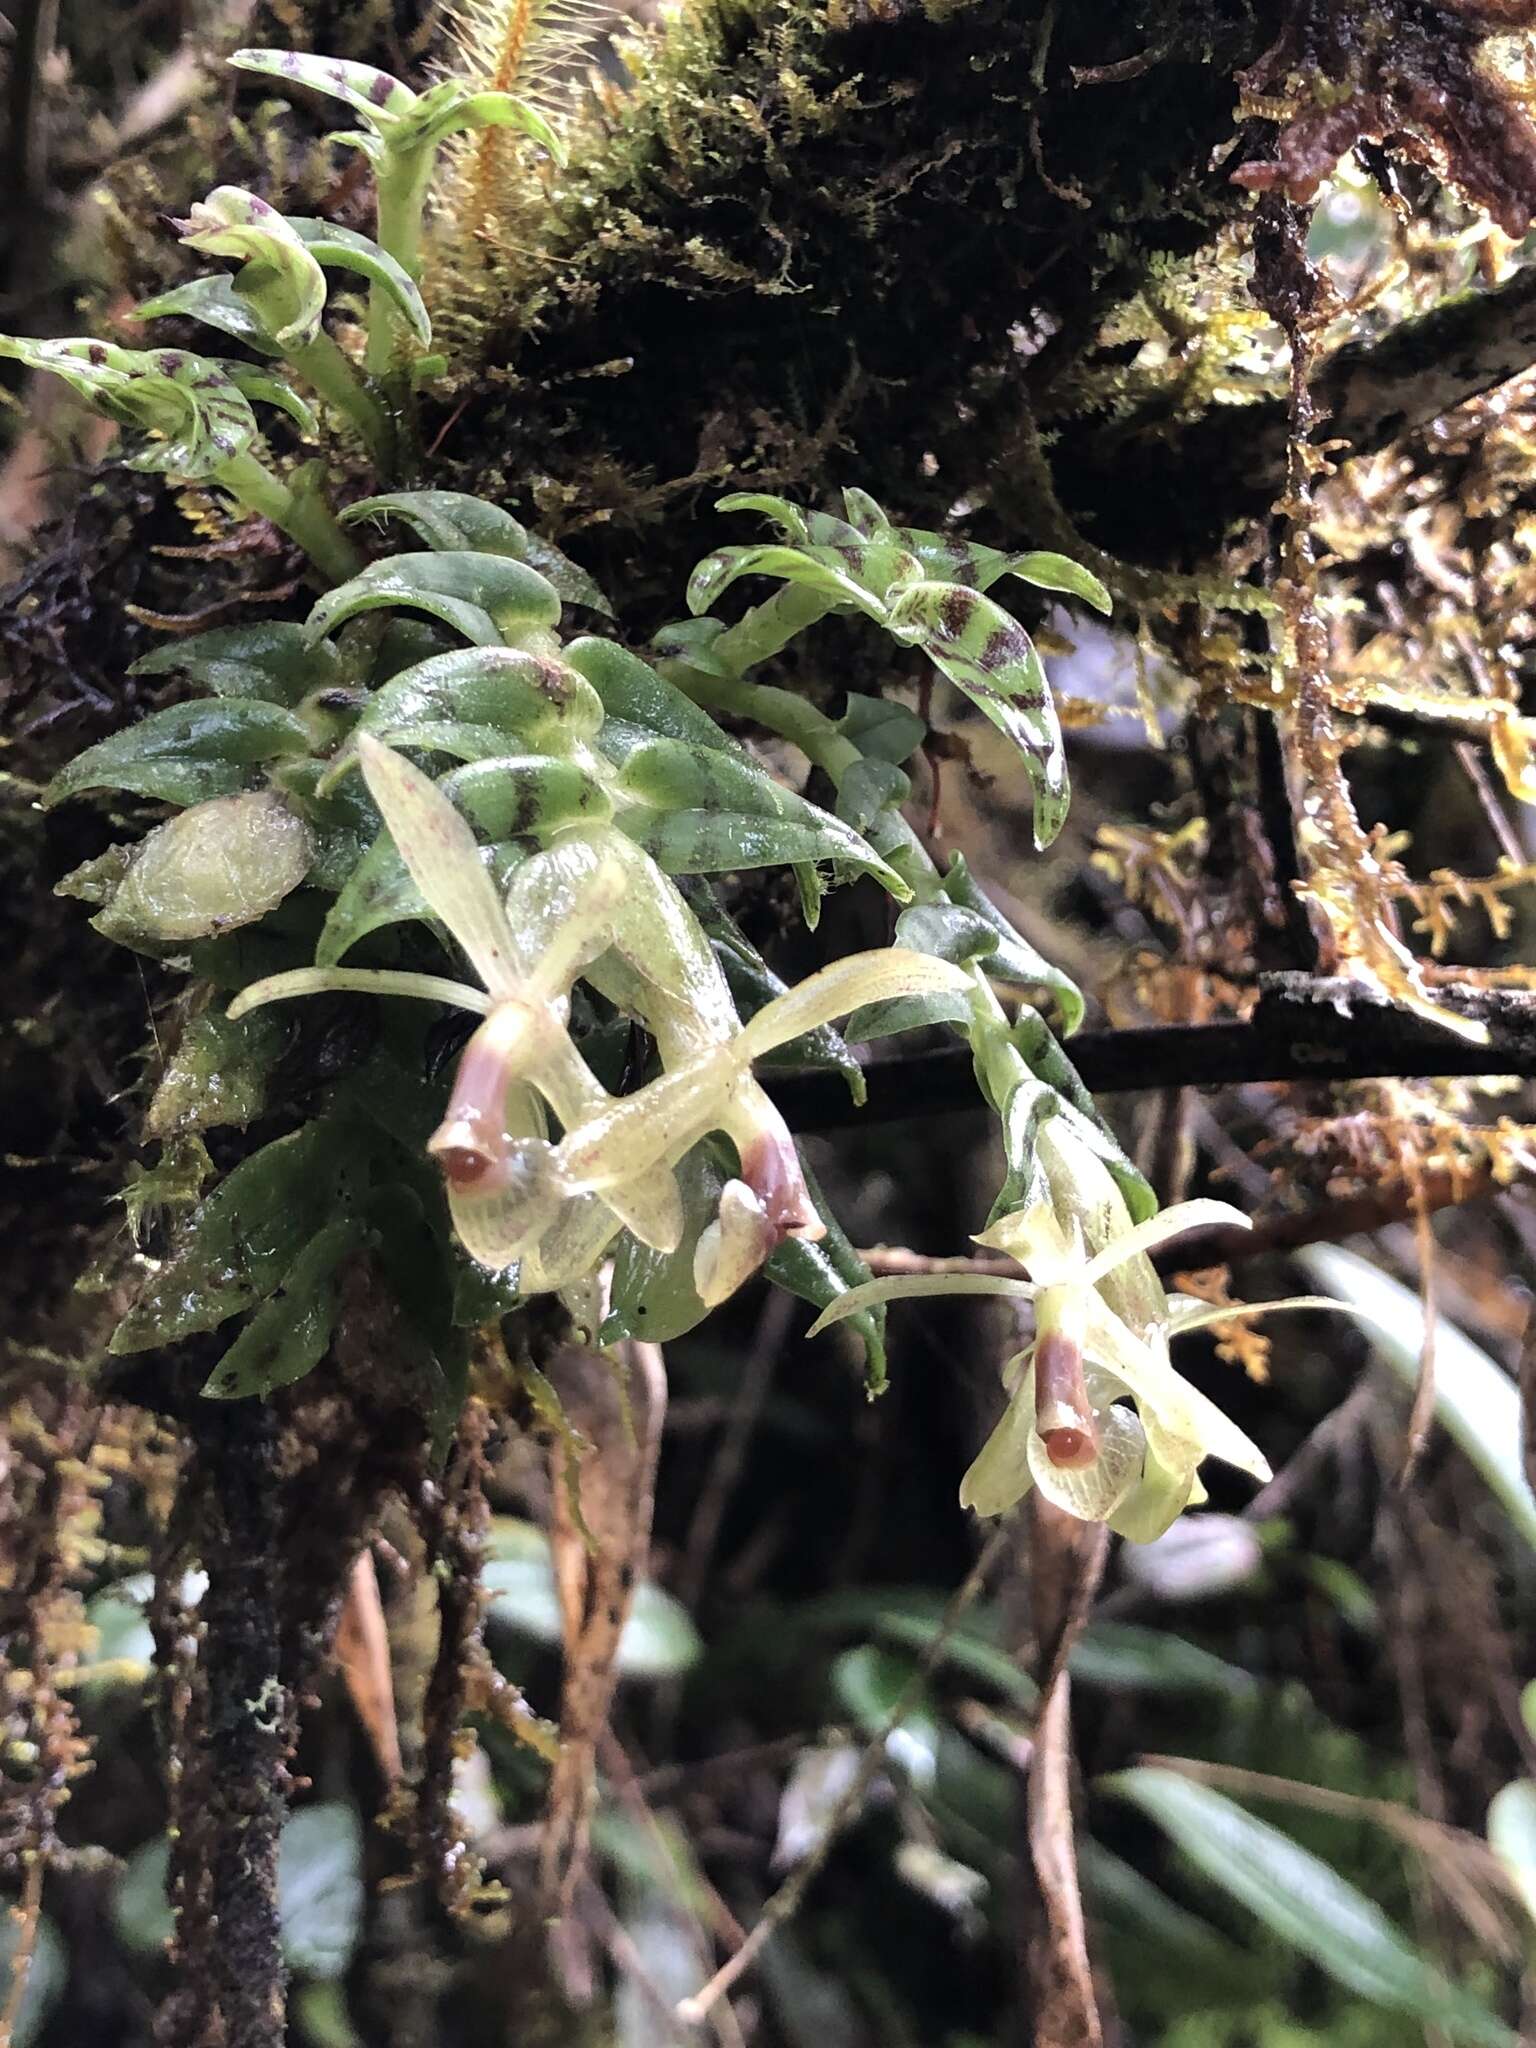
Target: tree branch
x,y
1301,1030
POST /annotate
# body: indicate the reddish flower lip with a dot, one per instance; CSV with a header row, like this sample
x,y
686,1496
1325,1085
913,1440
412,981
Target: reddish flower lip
x,y
770,1166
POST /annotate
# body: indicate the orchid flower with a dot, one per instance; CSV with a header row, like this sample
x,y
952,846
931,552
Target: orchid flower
x,y
594,905
1103,1324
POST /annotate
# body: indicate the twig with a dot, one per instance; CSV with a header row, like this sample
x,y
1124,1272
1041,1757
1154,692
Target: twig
x,y
28,1910
782,1904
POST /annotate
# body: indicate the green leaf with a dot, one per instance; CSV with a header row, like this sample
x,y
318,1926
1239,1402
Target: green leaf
x,y
817,570
905,1013
867,789
753,985
195,417
244,1238
215,302
375,95
881,729
992,659
455,520
215,867
704,811
1306,1903
783,514
46,1978
319,1891
1512,1837
217,1075
269,660
339,248
1474,1397
320,1888
481,596
1014,959
946,931
1059,572
288,1335
632,692
452,107
820,1273
185,753
1124,1658
537,704
279,279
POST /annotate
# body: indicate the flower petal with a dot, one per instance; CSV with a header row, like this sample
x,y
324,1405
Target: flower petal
x,y
1000,1476
443,857
1158,1229
378,981
1174,1414
1093,1492
899,1286
874,977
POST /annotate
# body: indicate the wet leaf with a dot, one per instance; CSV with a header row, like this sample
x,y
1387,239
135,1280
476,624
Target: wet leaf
x,y
217,1075
186,753
632,692
1014,959
217,866
288,1335
270,660
245,1237
195,417
339,248
215,302
279,279
480,596
537,704
711,812
455,520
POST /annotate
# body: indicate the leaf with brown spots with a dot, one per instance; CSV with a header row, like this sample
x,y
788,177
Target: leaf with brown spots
x,y
992,659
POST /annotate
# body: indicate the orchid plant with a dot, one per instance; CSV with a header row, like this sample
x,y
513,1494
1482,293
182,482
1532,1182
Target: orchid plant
x,y
429,757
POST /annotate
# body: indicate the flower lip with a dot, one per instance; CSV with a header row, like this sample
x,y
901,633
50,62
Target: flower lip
x,y
1064,1420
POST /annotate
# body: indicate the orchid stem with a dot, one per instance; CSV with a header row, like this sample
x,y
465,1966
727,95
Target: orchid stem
x,y
302,517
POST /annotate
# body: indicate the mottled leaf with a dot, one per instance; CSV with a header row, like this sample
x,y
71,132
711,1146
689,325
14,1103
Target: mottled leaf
x,y
193,416
373,94
1014,958
185,753
707,811
339,248
992,659
279,279
533,701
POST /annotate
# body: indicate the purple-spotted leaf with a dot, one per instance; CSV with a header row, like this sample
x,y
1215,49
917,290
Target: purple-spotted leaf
x,y
535,703
193,414
375,95
992,659
279,279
